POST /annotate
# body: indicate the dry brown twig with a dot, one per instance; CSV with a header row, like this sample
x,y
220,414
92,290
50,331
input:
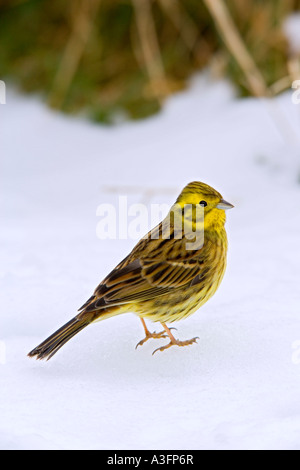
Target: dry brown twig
x,y
255,80
236,46
150,50
182,21
83,20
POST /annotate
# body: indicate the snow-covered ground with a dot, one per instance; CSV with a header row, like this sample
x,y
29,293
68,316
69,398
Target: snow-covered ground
x,y
238,388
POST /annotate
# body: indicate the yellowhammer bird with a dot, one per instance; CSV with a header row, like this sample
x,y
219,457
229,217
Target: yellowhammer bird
x,y
168,275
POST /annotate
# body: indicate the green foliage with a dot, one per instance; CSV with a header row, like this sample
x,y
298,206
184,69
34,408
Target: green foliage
x,y
89,56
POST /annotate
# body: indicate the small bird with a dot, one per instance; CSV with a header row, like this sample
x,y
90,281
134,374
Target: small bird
x,y
168,275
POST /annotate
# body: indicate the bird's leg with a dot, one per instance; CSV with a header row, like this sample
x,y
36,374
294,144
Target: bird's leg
x,y
173,341
149,335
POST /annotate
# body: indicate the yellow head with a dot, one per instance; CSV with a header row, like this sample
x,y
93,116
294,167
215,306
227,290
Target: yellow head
x,y
204,196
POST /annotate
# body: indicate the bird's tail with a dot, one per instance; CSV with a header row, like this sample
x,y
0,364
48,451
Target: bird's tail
x,y
52,344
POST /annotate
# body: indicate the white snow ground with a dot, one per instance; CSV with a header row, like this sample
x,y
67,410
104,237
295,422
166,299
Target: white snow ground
x,y
238,388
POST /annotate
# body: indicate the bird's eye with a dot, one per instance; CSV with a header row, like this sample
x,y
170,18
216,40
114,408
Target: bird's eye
x,y
203,203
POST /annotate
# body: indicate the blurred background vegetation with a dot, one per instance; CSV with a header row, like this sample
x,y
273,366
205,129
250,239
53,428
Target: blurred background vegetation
x,y
110,58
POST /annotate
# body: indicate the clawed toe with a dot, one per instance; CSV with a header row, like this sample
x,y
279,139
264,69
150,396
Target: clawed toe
x,y
162,348
154,335
140,343
187,342
176,343
164,334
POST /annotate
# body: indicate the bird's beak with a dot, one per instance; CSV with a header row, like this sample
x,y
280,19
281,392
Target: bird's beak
x,y
224,205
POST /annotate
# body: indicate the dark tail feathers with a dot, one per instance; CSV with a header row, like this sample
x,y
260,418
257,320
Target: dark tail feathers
x,y
52,344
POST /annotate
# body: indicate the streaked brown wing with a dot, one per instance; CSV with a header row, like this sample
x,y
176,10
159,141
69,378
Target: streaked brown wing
x,y
143,279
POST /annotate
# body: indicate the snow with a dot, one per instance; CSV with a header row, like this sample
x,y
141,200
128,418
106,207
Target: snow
x,y
238,388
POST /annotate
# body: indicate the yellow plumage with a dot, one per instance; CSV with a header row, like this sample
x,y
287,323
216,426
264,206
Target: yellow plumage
x,y
168,275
